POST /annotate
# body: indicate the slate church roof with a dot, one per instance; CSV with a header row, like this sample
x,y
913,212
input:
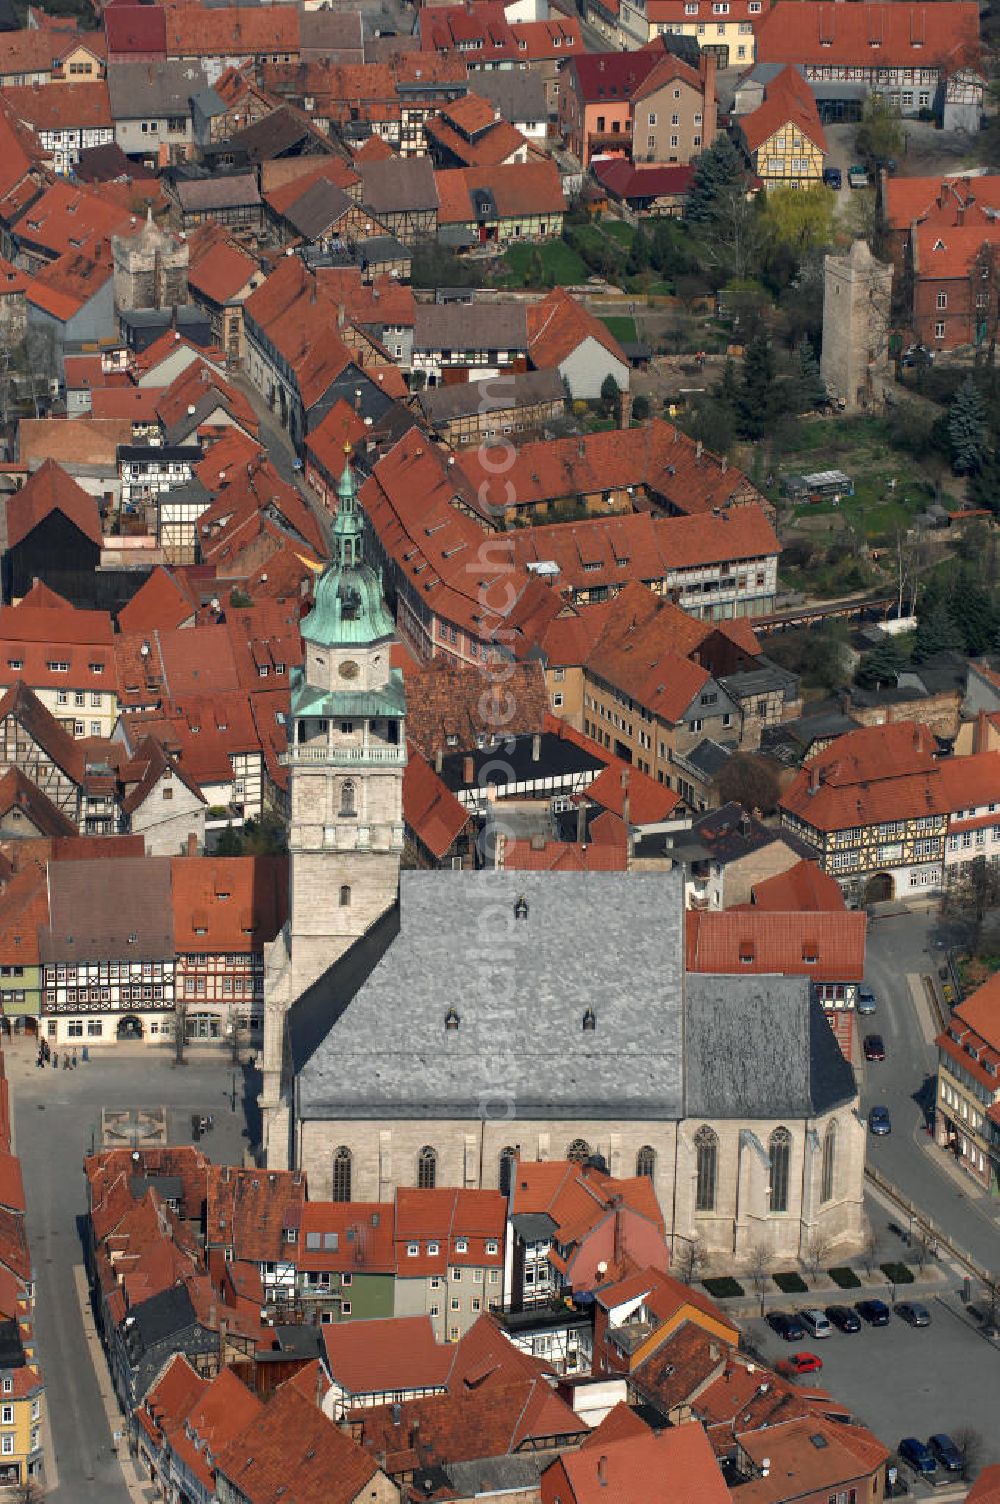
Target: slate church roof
x,y
421,1019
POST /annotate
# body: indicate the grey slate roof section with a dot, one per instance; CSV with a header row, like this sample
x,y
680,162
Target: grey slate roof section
x,y
319,208
709,756
518,93
199,195
397,184
608,941
101,910
759,1047
140,91
494,1475
483,326
442,404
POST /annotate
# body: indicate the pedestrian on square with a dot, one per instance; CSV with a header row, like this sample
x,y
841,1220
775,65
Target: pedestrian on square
x,y
55,1060
74,1060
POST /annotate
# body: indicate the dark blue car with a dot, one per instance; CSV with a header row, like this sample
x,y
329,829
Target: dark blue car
x,y
832,177
875,1312
786,1326
946,1452
919,1456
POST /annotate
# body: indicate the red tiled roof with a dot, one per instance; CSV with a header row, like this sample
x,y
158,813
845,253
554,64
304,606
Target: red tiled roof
x,y
804,887
17,792
945,252
69,106
981,1011
219,268
986,1489
950,200
788,100
378,1356
519,189
135,402
648,801
628,182
248,1210
223,904
560,324
491,148
675,1466
905,34
135,30
563,856
47,490
827,947
361,1230
430,809
290,1447
67,218
798,1464
607,76
161,603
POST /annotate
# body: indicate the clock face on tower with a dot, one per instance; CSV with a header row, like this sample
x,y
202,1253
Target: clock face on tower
x,y
348,669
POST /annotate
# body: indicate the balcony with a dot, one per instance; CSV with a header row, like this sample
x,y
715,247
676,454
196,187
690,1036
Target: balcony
x,y
344,756
605,141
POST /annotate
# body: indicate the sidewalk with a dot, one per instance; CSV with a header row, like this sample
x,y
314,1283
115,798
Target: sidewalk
x,y
140,1491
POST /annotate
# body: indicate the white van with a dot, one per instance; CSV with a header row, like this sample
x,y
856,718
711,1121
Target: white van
x,y
815,1323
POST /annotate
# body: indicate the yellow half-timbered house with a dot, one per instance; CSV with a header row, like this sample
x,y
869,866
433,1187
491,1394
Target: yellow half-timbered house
x,y
783,136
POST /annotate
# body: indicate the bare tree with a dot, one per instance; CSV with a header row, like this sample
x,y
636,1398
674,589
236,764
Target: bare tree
x,y
871,1247
921,1247
759,1271
970,1445
691,1260
28,1492
815,1254
991,1303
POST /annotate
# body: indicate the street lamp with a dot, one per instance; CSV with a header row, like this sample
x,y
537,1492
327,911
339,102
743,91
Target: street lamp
x,y
232,1095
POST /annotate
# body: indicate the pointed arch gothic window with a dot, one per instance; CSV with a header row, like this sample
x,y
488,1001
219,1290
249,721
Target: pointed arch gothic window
x,y
345,895
779,1150
645,1161
342,1165
706,1147
578,1151
829,1169
508,1159
427,1167
348,798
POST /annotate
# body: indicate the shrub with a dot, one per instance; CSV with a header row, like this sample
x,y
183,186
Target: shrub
x,y
845,1278
897,1274
723,1287
791,1283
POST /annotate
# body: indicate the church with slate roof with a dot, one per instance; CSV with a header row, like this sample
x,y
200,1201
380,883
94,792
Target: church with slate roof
x,y
429,1028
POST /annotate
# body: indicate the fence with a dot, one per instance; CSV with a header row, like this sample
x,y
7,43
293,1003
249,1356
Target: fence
x,y
918,1221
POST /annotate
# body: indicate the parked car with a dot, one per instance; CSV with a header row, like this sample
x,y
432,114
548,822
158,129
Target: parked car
x,y
919,1456
816,1322
832,177
787,1326
918,355
866,999
798,1363
843,1318
879,1121
857,177
874,1047
913,1312
875,1312
946,1452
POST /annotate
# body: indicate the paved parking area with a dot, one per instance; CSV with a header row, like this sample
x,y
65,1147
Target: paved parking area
x,y
906,1381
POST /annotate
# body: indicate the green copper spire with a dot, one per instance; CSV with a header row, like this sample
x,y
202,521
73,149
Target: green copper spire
x,y
348,525
348,607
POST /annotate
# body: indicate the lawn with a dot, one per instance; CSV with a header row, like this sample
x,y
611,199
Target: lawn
x,y
621,326
889,489
559,261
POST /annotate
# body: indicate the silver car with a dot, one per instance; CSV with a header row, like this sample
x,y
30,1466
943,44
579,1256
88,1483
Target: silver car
x,y
867,1002
816,1322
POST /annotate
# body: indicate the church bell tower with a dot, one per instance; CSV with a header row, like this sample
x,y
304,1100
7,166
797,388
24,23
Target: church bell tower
x,y
346,756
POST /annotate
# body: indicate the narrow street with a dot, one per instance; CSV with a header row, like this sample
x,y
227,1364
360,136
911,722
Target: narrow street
x,y
900,946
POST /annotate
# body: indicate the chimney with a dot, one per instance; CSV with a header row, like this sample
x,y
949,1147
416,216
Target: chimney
x,y
619,1237
439,760
319,1386
468,771
813,778
581,449
581,824
725,464
697,452
192,843
602,1470
536,746
625,799
980,735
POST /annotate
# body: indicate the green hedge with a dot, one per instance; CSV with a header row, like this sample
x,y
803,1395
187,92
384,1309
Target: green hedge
x,y
723,1287
897,1274
844,1277
791,1283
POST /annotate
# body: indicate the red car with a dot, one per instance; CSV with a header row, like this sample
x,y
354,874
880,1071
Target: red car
x,y
799,1363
